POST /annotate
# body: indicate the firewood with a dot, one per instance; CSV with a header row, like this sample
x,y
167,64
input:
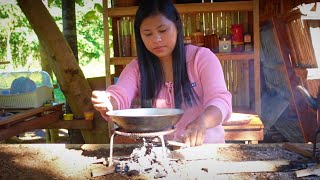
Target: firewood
x,y
102,171
308,171
101,160
231,167
297,149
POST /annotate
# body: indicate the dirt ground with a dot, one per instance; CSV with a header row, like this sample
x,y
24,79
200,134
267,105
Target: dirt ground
x,y
66,161
52,161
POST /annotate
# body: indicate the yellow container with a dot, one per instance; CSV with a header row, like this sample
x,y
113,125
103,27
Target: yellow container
x,y
88,115
68,117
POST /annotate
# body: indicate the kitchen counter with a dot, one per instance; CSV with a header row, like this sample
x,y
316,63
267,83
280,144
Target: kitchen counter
x,y
66,161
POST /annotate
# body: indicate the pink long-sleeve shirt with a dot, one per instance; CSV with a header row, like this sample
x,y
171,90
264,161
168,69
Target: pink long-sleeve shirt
x,y
205,74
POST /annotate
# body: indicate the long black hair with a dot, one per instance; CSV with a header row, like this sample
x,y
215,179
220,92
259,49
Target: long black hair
x,y
150,68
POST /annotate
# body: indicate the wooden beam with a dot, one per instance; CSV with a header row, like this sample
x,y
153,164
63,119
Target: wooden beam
x,y
73,124
4,62
256,47
106,40
297,149
190,8
221,57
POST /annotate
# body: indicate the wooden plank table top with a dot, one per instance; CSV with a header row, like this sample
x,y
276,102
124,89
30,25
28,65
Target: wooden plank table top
x,y
218,161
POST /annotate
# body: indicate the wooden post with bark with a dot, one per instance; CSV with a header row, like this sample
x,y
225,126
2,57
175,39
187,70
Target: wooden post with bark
x,y
64,65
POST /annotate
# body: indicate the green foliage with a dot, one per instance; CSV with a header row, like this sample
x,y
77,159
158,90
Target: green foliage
x,y
4,15
50,2
54,3
59,96
98,8
90,39
80,2
16,30
24,45
90,16
3,43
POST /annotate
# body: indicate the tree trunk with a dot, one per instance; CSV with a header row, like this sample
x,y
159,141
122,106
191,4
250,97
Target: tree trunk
x,y
52,135
70,33
69,25
64,64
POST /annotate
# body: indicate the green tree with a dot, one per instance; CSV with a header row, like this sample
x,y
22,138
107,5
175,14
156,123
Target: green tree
x,y
18,43
20,46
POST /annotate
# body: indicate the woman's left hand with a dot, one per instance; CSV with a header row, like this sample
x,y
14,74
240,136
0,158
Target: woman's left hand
x,y
195,132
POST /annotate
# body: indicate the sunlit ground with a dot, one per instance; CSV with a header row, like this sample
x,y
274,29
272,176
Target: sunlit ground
x,y
38,136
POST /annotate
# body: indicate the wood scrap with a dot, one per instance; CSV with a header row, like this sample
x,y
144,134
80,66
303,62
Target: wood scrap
x,y
231,167
297,149
308,171
177,144
100,160
195,153
101,171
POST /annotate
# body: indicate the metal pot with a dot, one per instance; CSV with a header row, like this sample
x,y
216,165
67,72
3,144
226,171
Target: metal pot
x,y
145,119
312,101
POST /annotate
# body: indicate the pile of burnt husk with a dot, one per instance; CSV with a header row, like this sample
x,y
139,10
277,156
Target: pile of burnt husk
x,y
148,160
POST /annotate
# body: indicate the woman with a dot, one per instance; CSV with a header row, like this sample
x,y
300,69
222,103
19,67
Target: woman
x,y
168,74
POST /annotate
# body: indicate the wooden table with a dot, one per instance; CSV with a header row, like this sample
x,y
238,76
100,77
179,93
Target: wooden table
x,y
214,161
244,127
45,117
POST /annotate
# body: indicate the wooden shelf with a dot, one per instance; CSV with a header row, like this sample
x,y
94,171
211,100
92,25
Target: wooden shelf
x,y
235,56
27,113
221,56
73,124
189,8
250,12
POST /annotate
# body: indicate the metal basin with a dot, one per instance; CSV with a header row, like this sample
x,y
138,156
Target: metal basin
x,y
145,119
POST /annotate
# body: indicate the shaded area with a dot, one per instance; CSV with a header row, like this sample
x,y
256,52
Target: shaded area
x,y
11,167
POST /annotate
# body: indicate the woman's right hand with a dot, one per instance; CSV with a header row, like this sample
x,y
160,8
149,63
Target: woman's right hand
x,y
101,101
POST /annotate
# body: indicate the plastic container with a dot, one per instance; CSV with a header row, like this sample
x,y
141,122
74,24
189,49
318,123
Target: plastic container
x,y
68,117
88,115
25,89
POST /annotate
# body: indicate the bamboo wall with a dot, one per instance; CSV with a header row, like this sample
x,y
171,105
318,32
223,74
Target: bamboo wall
x,y
236,72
